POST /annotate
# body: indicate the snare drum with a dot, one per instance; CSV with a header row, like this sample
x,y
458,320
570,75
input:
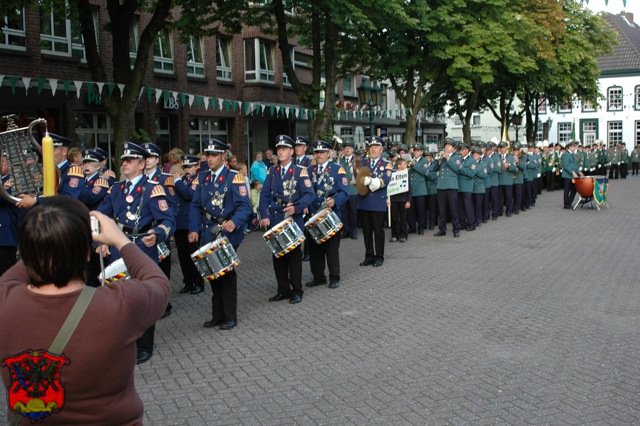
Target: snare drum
x,y
215,259
163,251
284,237
115,271
323,225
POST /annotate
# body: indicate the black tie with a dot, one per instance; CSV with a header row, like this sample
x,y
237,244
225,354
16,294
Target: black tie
x,y
283,171
127,187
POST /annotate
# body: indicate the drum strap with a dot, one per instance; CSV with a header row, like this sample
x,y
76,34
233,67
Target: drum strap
x,y
66,331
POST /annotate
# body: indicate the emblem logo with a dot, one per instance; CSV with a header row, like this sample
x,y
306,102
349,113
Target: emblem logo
x,y
162,204
35,391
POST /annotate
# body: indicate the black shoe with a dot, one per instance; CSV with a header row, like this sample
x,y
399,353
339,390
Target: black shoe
x,y
471,228
188,288
494,218
378,262
305,258
143,356
295,299
354,237
367,262
197,289
334,283
456,234
228,325
212,323
278,297
167,311
440,234
421,232
316,283
393,240
404,240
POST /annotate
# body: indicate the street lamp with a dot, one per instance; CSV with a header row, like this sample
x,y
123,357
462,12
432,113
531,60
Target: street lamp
x,y
369,95
516,120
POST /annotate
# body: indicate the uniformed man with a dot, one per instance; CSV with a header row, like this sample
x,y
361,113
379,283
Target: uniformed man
x,y
330,186
493,160
287,192
448,168
300,151
624,160
418,169
519,158
569,171
532,166
221,204
432,191
9,217
140,207
61,146
507,171
466,174
372,207
479,181
104,170
635,159
185,184
349,211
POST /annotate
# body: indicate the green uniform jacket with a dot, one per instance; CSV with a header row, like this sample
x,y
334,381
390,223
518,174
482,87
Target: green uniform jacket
x,y
634,156
467,173
624,155
506,176
569,165
493,164
417,176
448,172
521,166
481,177
432,179
532,162
349,169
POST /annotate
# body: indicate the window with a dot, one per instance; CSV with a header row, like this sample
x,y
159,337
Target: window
x,y
614,98
565,106
94,129
564,132
202,129
637,97
13,35
163,134
348,85
302,60
133,42
346,131
475,120
456,120
258,61
614,132
77,42
223,59
163,53
588,106
540,133
195,61
55,32
637,133
542,106
589,131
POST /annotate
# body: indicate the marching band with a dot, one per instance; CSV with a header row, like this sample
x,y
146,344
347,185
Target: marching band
x,y
207,208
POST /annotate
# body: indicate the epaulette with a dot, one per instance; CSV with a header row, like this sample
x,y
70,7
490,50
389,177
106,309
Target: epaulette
x,y
75,171
342,171
196,181
169,181
239,179
102,182
109,173
303,172
158,191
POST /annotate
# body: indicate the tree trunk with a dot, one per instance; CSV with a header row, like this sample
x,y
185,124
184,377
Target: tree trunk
x,y
410,129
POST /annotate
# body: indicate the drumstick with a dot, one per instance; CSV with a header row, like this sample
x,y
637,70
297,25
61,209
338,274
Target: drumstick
x,y
102,274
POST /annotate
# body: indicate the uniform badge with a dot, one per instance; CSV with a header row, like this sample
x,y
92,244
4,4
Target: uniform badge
x,y
162,204
243,190
73,182
36,390
344,181
307,183
129,199
96,190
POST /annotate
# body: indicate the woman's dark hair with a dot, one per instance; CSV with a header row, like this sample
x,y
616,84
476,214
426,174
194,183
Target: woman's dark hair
x,y
55,240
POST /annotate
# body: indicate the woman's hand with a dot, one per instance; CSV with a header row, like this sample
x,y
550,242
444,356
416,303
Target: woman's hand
x,y
110,234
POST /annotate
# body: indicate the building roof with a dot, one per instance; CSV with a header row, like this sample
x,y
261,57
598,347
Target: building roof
x,y
625,56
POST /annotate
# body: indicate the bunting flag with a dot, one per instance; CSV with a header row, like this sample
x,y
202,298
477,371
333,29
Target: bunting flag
x,y
78,85
53,83
158,94
149,91
220,104
206,103
198,99
141,93
191,99
121,88
12,84
40,84
110,87
26,81
100,87
66,84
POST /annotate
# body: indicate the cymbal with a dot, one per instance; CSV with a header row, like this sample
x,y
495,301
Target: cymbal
x,y
361,173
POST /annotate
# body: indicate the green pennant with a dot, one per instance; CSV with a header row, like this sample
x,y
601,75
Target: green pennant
x,y
149,91
272,110
12,84
41,81
165,96
183,99
213,102
198,101
245,108
234,106
226,105
67,86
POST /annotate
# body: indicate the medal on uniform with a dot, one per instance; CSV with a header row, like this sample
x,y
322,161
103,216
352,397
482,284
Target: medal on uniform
x,y
131,216
129,199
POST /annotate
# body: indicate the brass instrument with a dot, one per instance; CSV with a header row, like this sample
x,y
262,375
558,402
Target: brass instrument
x,y
23,153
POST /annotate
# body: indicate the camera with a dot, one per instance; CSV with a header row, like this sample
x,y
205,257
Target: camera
x,y
95,225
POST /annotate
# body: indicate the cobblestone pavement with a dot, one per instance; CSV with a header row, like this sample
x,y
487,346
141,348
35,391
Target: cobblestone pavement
x,y
532,319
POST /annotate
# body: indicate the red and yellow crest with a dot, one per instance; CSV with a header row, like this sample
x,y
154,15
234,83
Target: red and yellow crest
x,y
36,389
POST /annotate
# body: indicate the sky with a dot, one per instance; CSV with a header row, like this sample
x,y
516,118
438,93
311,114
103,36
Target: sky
x,y
615,7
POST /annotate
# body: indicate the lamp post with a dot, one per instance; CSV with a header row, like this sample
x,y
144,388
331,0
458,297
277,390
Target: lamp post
x,y
516,120
369,95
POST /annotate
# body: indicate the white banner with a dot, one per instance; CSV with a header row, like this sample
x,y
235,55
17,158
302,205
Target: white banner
x,y
399,183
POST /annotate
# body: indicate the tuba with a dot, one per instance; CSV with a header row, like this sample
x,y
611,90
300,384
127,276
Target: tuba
x,y
23,153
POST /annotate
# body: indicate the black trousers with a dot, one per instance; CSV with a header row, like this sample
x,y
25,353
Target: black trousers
x,y
399,220
478,206
190,274
145,343
349,213
634,168
373,233
517,197
224,301
288,269
532,189
7,258
549,180
328,252
507,196
417,214
467,212
432,210
486,205
624,170
448,205
569,192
